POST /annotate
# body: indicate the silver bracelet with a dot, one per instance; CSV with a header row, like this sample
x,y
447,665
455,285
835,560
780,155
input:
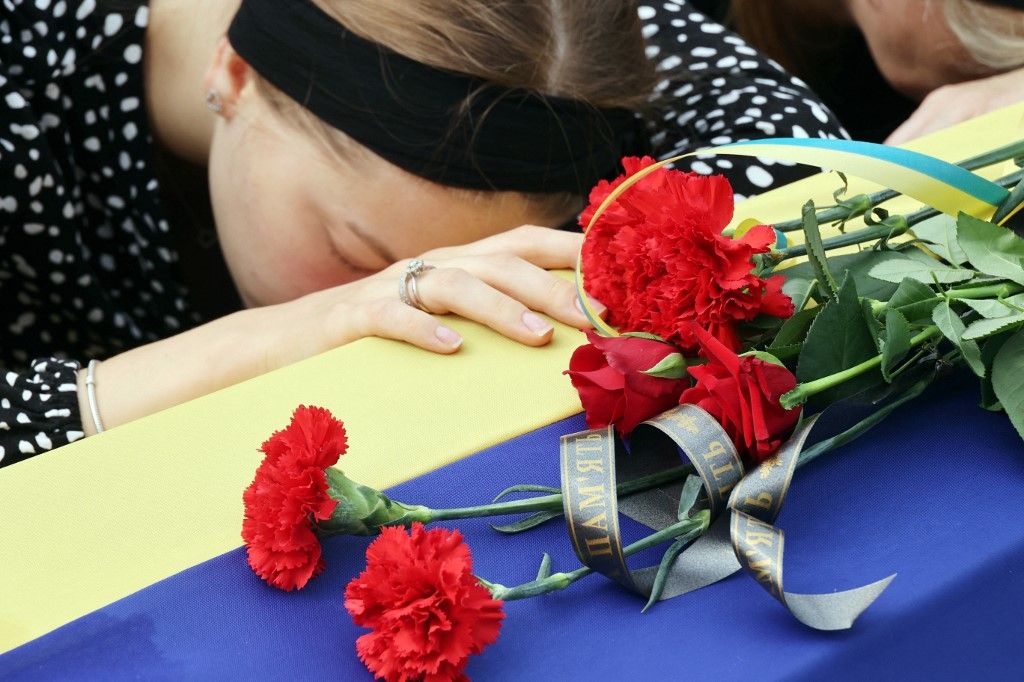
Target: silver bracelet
x,y
90,391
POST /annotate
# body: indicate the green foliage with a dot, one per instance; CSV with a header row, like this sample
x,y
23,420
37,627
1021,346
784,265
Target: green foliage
x,y
989,349
855,265
792,333
981,329
672,366
1008,379
952,327
991,249
914,300
897,269
992,308
838,339
940,233
896,343
816,252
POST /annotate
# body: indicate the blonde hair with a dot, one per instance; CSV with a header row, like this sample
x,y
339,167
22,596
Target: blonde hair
x,y
590,51
993,36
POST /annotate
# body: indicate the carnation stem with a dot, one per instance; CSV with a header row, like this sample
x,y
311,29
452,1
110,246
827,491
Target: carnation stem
x,y
544,503
802,392
692,526
838,213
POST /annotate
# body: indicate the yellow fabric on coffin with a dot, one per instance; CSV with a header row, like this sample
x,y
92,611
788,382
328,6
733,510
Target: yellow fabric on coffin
x,y
104,517
100,519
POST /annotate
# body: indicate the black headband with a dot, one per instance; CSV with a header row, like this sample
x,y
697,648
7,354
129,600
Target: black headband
x,y
1011,4
447,127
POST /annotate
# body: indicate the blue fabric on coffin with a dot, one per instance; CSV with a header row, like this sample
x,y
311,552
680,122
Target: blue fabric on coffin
x,y
933,493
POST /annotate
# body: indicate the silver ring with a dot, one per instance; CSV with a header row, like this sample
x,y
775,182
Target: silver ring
x,y
407,290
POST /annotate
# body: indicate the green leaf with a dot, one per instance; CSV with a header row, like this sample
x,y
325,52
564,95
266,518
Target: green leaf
x,y
940,233
984,328
914,300
794,329
799,289
816,252
526,488
688,497
874,326
991,249
897,269
665,567
990,307
854,265
989,349
896,344
763,356
526,524
545,567
1008,379
952,327
672,366
838,339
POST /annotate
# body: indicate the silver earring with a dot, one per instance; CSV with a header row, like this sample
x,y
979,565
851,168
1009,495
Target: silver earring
x,y
213,101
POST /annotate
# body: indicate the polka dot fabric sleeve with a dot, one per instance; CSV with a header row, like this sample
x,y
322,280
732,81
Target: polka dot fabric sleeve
x,y
716,89
38,409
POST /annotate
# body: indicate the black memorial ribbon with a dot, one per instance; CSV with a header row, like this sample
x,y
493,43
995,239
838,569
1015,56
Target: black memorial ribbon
x,y
742,509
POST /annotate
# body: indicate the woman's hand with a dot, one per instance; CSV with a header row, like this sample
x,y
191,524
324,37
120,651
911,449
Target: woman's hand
x,y
952,104
501,281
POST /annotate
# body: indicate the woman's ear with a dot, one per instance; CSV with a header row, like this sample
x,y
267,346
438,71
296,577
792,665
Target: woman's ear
x,y
227,76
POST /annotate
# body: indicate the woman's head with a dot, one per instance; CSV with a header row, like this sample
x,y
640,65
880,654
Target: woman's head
x,y
301,206
920,45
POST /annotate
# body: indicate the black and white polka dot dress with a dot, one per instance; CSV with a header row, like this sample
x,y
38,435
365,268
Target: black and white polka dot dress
x,y
88,266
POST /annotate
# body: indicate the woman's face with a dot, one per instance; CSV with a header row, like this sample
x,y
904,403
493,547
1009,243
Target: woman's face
x,y
294,218
912,44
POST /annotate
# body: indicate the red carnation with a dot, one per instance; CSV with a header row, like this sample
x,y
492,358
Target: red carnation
x,y
743,394
657,258
288,495
427,611
608,373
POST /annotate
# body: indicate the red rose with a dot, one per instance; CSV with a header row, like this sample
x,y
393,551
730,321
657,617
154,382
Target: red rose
x,y
608,373
427,611
288,495
743,394
657,258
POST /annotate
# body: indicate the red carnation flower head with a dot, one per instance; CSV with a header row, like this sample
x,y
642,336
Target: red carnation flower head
x,y
289,495
427,611
313,437
743,394
608,373
658,260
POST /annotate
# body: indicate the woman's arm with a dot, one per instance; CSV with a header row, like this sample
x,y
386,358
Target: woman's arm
x,y
717,89
498,281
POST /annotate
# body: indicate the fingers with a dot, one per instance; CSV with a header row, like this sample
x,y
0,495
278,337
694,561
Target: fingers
x,y
542,246
535,287
392,319
454,290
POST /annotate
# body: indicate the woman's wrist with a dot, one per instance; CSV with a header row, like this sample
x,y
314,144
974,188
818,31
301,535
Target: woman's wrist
x,y
172,371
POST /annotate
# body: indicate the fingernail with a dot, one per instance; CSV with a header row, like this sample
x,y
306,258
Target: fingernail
x,y
598,307
448,337
536,324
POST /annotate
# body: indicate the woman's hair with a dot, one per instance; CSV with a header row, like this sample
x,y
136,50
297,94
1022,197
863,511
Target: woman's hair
x,y
993,36
590,51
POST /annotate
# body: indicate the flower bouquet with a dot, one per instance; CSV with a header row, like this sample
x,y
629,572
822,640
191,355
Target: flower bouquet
x,y
728,358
